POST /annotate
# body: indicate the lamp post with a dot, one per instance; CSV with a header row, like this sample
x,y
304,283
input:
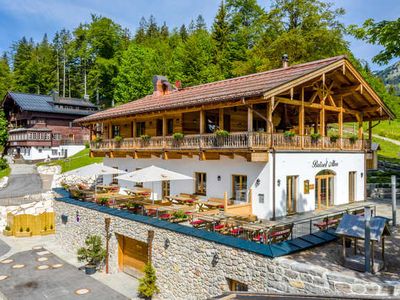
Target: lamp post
x,y
367,240
107,222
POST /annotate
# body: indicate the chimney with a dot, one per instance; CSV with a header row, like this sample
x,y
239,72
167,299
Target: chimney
x,y
161,85
285,61
86,97
178,84
55,95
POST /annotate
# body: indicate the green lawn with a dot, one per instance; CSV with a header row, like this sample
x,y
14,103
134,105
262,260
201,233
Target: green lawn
x,y
5,172
389,129
388,150
74,162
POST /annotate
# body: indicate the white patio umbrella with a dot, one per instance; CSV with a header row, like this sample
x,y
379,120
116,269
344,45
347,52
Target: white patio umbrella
x,y
153,174
95,170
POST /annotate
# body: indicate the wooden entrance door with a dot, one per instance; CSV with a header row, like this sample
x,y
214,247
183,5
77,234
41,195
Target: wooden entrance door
x,y
166,188
291,194
352,186
132,255
324,191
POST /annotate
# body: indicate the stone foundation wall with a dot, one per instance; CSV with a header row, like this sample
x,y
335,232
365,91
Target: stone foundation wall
x,y
185,269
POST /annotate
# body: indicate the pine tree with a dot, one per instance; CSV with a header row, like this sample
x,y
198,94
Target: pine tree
x,y
183,32
147,285
164,31
220,35
153,31
200,23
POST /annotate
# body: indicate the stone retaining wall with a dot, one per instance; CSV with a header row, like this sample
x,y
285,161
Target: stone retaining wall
x,y
185,269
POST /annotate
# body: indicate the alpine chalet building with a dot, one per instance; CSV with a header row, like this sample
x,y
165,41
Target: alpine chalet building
x,y
275,140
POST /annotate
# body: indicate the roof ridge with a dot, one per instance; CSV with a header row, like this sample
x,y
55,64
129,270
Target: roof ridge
x,y
338,57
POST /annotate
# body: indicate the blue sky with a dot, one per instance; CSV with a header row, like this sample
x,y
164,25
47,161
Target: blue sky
x,y
33,18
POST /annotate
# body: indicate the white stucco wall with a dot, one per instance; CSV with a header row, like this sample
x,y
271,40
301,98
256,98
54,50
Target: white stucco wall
x,y
301,165
224,167
38,153
287,164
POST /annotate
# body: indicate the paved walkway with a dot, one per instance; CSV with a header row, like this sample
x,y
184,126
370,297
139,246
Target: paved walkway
x,y
120,282
39,274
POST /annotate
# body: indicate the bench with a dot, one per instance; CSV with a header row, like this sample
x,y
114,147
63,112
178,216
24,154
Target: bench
x,y
329,222
280,233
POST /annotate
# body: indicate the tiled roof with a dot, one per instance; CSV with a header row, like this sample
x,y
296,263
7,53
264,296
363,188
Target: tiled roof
x,y
45,103
219,91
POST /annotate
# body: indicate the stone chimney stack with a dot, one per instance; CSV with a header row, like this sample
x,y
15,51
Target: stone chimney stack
x,y
161,85
285,61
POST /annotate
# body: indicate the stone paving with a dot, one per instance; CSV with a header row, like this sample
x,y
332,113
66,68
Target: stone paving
x,y
121,282
39,274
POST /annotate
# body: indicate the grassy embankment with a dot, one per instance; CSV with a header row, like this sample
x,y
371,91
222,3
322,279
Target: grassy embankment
x,y
76,161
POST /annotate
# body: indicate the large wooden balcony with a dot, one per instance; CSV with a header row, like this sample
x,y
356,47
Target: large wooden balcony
x,y
238,141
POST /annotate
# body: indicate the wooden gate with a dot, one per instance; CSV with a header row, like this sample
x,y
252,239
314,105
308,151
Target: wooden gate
x,y
132,255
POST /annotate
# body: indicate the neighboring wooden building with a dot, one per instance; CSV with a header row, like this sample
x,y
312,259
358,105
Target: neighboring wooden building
x,y
41,126
287,172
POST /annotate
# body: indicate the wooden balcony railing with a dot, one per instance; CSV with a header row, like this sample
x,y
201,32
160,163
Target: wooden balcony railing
x,y
236,140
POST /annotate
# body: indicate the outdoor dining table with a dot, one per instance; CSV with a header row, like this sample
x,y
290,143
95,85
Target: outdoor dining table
x,y
183,200
208,204
107,188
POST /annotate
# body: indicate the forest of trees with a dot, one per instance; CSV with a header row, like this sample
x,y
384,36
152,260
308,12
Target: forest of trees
x,y
117,66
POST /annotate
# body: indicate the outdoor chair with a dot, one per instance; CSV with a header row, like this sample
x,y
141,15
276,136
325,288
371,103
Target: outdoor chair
x,y
198,223
329,222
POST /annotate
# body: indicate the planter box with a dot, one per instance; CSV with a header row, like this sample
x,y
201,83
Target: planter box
x,y
47,232
7,232
23,234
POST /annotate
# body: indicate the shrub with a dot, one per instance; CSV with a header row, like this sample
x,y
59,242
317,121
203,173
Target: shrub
x,y
98,139
87,145
102,201
21,229
180,214
28,229
145,137
93,253
353,138
7,228
334,137
118,139
289,134
222,133
51,227
3,164
178,136
315,136
147,285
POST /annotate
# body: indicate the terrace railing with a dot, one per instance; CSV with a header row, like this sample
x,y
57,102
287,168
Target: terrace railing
x,y
235,140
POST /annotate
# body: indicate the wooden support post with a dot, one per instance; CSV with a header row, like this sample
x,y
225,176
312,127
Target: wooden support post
x,y
343,248
360,128
250,196
110,131
340,121
270,107
221,119
370,133
250,119
225,200
322,119
164,126
134,129
202,121
301,120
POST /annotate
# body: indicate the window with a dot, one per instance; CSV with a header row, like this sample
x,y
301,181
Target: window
x,y
237,286
114,177
140,128
138,184
291,194
166,188
201,183
54,152
40,150
116,131
170,126
239,187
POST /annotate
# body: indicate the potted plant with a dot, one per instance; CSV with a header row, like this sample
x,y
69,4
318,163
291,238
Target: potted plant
x,y
315,137
353,139
147,285
145,139
333,138
7,231
93,254
289,135
102,201
118,139
180,216
178,137
221,135
22,233
97,141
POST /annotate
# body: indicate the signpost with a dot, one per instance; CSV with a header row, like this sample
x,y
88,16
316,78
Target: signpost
x,y
394,200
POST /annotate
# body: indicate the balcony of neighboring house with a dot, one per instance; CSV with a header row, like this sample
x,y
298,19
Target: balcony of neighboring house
x,y
247,130
30,137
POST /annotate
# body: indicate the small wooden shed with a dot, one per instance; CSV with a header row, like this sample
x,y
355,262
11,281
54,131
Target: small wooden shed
x,y
352,227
